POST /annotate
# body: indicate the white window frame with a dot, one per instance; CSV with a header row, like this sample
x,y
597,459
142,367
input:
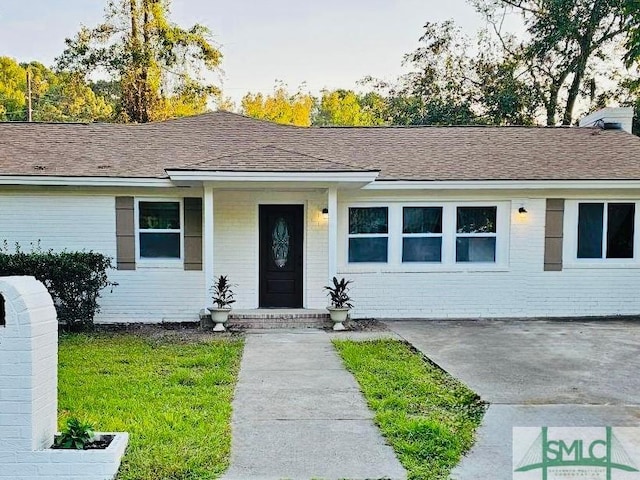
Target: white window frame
x,y
369,235
421,235
159,262
570,244
449,235
476,234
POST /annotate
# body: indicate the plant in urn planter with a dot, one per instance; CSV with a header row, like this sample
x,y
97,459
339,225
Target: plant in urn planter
x,y
222,299
340,302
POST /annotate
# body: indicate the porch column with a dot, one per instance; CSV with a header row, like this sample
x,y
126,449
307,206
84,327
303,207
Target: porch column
x,y
333,231
207,241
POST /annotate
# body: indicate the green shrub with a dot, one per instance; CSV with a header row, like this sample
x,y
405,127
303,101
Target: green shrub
x,y
76,435
74,280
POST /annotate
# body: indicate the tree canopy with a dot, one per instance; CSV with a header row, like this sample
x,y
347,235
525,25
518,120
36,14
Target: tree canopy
x,y
281,106
159,67
56,97
348,108
567,41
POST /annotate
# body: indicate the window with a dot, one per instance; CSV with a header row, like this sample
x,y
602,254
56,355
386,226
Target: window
x,y
605,230
422,234
368,234
476,234
159,230
426,235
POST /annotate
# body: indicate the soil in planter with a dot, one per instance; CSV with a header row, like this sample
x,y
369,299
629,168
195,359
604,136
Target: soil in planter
x,y
98,444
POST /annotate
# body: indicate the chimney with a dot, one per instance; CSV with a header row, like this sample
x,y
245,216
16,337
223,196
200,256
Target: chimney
x,y
610,119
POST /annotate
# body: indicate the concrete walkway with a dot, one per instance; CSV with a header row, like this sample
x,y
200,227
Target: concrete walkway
x,y
534,373
298,414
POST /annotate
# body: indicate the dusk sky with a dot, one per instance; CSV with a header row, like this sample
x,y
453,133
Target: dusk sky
x,y
328,43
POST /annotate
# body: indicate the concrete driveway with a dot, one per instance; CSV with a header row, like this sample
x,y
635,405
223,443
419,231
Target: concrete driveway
x,y
534,373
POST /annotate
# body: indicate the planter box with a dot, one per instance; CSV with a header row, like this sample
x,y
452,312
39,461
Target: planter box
x,y
59,464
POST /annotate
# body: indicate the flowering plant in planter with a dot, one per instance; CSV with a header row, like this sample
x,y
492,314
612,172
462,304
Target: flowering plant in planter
x,y
340,301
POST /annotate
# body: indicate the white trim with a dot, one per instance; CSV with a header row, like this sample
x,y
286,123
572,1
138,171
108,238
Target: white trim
x,y
208,241
147,262
332,231
501,184
345,177
85,181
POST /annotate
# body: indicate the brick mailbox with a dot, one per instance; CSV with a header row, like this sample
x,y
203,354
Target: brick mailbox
x,y
29,392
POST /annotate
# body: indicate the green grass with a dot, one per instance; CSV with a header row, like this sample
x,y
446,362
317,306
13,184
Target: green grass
x,y
428,417
172,396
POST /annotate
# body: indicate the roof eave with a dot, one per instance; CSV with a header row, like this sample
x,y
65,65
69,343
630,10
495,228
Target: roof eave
x,y
502,184
356,177
77,181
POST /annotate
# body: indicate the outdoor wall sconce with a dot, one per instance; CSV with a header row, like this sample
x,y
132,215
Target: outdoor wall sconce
x,y
325,212
522,210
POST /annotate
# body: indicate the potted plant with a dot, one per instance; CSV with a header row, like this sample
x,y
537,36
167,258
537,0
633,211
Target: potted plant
x,y
222,299
340,302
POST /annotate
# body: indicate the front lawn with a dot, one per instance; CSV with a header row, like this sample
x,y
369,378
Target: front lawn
x,y
173,396
428,417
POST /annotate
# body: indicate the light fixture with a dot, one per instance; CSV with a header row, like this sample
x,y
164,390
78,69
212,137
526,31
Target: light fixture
x,y
325,212
522,210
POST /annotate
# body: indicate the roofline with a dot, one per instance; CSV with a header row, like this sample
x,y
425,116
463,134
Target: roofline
x,y
84,181
501,184
363,176
367,177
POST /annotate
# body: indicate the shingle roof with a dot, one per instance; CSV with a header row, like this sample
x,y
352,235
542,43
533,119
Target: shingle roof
x,y
221,141
270,159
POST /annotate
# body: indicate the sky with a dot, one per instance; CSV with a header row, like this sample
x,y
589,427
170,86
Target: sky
x,y
326,44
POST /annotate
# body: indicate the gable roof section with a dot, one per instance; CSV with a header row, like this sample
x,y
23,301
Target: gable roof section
x,y
226,141
270,158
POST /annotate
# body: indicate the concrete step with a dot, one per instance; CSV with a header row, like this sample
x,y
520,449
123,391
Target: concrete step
x,y
279,318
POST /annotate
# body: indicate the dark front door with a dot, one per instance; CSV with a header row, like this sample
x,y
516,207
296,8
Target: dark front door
x,y
281,237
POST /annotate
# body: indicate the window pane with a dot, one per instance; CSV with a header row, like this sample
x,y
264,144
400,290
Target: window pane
x,y
160,245
368,250
157,215
590,218
422,220
476,249
476,220
620,230
369,220
422,249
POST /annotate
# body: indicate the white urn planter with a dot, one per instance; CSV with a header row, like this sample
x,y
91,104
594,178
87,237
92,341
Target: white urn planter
x,y
219,317
338,316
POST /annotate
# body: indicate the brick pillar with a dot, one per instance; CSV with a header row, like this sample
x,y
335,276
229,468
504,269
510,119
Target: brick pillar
x,y
28,366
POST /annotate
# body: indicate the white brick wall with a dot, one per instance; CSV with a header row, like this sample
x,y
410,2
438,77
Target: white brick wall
x,y
85,220
520,288
236,242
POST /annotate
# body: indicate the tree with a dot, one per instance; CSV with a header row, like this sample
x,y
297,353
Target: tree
x,y
55,97
346,108
437,91
158,65
280,106
449,86
566,40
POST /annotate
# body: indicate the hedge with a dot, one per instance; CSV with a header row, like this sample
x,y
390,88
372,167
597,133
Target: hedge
x,y
74,280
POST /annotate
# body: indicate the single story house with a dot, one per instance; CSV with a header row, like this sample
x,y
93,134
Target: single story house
x,y
429,222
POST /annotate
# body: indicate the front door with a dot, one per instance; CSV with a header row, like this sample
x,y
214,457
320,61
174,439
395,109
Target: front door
x,y
281,237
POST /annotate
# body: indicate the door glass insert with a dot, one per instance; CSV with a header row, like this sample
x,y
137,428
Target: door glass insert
x,y
280,243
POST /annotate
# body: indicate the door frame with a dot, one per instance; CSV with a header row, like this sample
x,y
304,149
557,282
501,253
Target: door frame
x,y
304,245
